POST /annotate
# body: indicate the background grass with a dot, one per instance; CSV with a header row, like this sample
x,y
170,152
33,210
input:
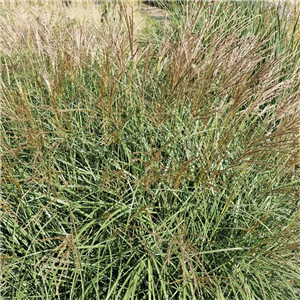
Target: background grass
x,y
150,164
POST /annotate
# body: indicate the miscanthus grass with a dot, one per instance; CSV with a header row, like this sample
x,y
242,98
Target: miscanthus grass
x,y
159,164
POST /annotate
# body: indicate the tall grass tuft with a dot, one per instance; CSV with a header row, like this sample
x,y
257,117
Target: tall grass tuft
x,y
157,164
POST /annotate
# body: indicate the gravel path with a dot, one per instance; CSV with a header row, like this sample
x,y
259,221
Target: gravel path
x,y
154,12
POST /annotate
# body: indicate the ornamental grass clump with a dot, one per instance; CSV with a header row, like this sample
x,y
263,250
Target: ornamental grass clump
x,y
149,165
